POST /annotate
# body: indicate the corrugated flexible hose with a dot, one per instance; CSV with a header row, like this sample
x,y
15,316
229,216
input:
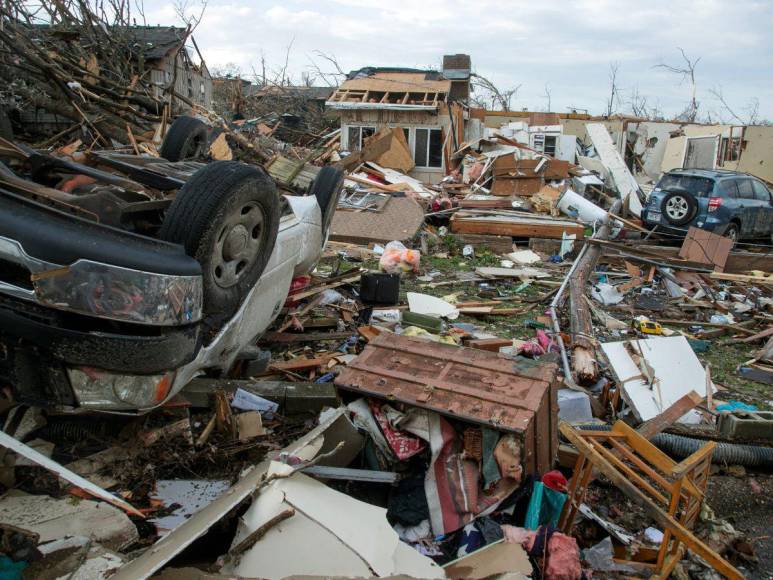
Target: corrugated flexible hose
x,y
679,447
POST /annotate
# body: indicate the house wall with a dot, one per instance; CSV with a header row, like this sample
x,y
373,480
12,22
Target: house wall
x,y
190,82
405,120
756,157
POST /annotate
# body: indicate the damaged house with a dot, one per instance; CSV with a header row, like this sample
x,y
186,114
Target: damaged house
x,y
160,53
648,147
425,104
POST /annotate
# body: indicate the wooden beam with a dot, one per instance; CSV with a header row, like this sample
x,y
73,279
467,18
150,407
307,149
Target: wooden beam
x,y
657,424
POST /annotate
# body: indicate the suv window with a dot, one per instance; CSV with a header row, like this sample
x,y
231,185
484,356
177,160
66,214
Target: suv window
x,y
761,192
698,186
728,188
745,190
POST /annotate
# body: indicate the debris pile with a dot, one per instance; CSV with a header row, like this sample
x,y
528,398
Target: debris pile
x,y
499,371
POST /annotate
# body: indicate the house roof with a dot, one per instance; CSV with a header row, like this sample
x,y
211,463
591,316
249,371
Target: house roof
x,y
396,80
391,88
310,93
156,41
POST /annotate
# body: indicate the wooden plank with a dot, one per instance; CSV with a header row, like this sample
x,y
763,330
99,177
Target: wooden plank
x,y
301,364
650,428
534,229
291,337
490,344
654,511
764,334
768,281
730,327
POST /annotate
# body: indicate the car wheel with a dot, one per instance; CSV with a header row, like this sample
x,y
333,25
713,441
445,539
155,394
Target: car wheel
x,y
678,207
732,232
227,217
185,140
326,187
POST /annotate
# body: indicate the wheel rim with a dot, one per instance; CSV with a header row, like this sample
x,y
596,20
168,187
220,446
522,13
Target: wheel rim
x,y
677,208
238,244
732,233
195,149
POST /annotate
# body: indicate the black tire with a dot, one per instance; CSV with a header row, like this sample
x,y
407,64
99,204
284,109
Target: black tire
x,y
732,231
227,217
679,207
185,140
326,187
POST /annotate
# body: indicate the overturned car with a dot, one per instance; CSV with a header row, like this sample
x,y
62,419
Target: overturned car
x,y
124,276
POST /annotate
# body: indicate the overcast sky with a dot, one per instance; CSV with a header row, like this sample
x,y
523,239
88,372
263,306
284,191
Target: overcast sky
x,y
565,44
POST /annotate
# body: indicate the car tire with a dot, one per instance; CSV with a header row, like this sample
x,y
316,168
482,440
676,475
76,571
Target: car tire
x,y
227,217
185,140
679,207
326,187
732,231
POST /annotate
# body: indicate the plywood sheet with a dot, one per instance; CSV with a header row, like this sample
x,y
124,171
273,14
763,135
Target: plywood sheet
x,y
705,247
398,156
669,361
613,162
401,219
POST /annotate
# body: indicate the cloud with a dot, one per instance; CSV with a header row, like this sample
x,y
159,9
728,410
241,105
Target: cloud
x,y
567,44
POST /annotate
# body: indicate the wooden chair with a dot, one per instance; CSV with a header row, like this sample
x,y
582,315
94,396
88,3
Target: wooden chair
x,y
671,493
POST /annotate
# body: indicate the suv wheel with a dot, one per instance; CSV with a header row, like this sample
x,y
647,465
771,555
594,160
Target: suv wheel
x,y
227,217
732,232
679,207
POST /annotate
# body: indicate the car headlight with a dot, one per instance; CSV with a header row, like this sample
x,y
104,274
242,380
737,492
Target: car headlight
x,y
102,390
120,293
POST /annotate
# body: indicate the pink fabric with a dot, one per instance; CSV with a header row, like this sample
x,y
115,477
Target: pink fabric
x,y
563,557
401,443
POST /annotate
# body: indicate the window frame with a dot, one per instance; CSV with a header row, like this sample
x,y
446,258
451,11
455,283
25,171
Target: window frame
x,y
728,183
415,131
740,180
360,139
545,144
765,188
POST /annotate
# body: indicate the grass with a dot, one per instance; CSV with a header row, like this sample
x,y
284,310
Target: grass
x,y
724,359
447,259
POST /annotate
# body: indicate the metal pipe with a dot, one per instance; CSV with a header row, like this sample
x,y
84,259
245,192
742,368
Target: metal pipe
x,y
554,316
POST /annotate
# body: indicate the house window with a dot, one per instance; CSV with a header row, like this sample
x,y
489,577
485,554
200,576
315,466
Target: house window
x,y
428,148
356,136
730,149
545,144
550,145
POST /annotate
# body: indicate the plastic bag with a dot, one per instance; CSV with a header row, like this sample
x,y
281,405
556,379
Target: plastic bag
x,y
545,506
397,258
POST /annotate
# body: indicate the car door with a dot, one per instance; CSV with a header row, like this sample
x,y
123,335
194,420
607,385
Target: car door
x,y
763,224
747,206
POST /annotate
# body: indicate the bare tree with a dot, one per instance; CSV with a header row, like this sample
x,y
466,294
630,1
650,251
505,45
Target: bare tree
x,y
547,97
332,79
752,108
613,88
183,9
490,93
687,73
